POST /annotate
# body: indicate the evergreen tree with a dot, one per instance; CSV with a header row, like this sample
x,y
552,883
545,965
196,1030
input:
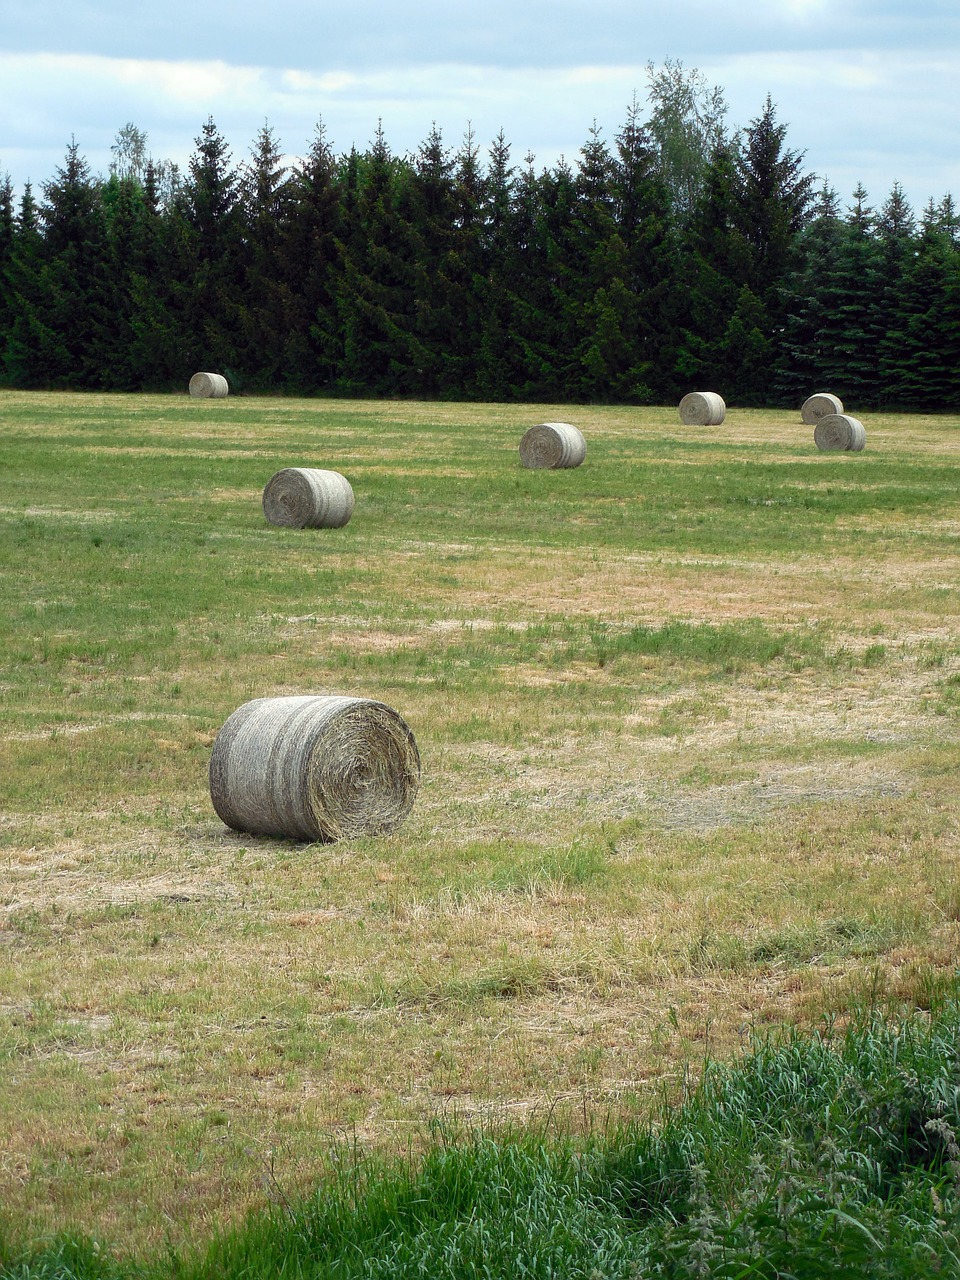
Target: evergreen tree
x,y
8,226
649,310
499,364
266,199
210,247
853,327
68,333
773,206
800,367
714,268
311,254
377,303
920,364
32,352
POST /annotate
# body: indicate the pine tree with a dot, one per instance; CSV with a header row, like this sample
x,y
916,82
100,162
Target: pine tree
x,y
377,302
920,361
8,227
71,300
499,365
800,362
34,354
265,198
210,247
649,311
852,302
714,268
311,255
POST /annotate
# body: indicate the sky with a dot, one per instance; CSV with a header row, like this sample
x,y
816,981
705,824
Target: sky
x,y
869,89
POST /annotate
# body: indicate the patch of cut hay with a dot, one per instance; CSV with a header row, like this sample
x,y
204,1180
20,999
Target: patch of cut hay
x,y
308,498
838,432
314,768
552,445
818,406
702,409
208,386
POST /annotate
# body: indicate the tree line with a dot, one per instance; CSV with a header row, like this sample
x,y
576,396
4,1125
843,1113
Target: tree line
x,y
677,256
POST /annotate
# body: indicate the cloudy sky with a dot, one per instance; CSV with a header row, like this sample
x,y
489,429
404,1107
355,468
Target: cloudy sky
x,y
869,89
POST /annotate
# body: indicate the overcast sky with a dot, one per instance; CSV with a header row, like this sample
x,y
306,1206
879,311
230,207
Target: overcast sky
x,y
869,89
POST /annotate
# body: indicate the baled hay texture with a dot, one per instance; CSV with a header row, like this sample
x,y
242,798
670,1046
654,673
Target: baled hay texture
x,y
551,445
314,768
308,498
208,386
702,409
838,431
818,406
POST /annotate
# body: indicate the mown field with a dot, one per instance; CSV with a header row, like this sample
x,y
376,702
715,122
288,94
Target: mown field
x,y
689,718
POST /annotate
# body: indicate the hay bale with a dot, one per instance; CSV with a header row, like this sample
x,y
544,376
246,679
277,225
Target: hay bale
x,y
702,409
308,498
314,768
552,445
818,406
208,386
838,431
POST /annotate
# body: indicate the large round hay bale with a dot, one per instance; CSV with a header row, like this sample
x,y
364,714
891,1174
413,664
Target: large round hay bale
x,y
314,768
308,498
208,386
702,409
838,431
552,445
818,406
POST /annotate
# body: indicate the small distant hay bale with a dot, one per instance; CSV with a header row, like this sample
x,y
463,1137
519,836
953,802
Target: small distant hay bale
x,y
838,431
208,386
818,406
551,445
314,767
308,498
702,409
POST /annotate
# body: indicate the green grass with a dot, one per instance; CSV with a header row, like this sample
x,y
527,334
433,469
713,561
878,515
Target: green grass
x,y
813,1156
688,720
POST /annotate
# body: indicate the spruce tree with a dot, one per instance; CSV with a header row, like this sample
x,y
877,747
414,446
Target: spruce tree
x,y
800,360
210,246
265,199
74,299
311,256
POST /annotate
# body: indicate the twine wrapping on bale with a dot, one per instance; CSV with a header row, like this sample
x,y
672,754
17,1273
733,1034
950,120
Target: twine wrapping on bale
x,y
314,767
552,445
208,386
308,498
818,406
838,431
702,409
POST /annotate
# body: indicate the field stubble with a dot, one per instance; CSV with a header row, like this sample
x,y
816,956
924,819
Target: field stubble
x,y
689,724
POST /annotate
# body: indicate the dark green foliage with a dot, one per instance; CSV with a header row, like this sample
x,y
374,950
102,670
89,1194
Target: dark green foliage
x,y
677,256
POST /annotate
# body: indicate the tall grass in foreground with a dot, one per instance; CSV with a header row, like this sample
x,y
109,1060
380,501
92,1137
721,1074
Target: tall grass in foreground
x,y
833,1155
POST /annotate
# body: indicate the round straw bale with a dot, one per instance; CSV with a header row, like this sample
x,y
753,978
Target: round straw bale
x,y
308,498
702,409
838,431
314,768
208,386
552,445
817,406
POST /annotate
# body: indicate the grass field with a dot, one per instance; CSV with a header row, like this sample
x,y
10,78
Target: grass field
x,y
690,725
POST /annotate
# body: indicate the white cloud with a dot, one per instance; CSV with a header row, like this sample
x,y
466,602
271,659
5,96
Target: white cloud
x,y
873,115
